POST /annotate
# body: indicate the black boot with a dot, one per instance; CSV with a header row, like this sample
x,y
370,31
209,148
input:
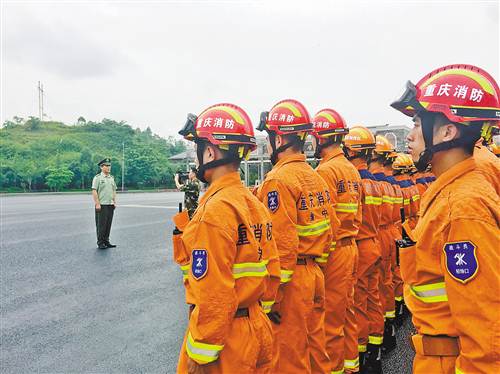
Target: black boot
x,y
399,313
373,360
389,336
361,361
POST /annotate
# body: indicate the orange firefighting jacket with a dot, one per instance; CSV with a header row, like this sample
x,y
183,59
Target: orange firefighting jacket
x,y
232,263
421,182
371,200
388,195
489,165
344,182
452,284
300,205
409,198
397,200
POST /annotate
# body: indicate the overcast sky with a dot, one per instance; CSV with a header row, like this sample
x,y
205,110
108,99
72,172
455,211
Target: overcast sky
x,y
149,63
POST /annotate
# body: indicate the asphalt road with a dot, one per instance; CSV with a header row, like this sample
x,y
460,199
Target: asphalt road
x,y
67,307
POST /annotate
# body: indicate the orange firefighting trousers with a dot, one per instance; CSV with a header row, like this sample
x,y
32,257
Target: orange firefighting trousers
x,y
300,336
248,347
339,287
386,285
369,315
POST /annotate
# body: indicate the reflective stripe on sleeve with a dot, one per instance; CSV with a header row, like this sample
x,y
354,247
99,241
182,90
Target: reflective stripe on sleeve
x,y
185,271
430,293
458,371
267,305
373,200
313,229
201,351
406,201
323,259
415,198
377,340
333,246
250,269
286,275
351,364
361,348
387,199
398,200
390,314
346,207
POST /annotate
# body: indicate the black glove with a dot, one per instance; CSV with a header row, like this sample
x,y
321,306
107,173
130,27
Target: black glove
x,y
275,317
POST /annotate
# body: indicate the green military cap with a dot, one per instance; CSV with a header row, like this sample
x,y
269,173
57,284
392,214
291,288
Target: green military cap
x,y
106,161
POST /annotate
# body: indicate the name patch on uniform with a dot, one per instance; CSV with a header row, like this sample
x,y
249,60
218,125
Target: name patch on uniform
x,y
461,260
273,201
199,263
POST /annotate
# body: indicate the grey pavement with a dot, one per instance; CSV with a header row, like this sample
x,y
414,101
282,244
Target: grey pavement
x,y
67,307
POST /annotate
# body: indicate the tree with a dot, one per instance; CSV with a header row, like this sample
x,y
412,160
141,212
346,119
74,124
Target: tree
x,y
33,123
58,178
81,121
26,170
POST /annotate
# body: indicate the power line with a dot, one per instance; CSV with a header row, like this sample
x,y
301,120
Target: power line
x,y
40,101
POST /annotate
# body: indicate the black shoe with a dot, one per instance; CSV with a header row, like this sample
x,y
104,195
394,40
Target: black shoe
x,y
389,336
109,245
102,246
361,361
373,360
399,313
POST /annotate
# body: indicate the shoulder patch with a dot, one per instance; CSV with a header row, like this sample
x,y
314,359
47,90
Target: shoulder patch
x,y
461,260
199,263
273,201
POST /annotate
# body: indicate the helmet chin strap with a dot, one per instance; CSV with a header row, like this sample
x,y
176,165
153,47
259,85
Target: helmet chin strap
x,y
202,168
320,147
277,151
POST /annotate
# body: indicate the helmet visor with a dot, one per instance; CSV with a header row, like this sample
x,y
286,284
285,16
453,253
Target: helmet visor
x,y
408,103
189,129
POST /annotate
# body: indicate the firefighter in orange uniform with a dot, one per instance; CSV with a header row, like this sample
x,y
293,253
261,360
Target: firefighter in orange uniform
x,y
340,273
358,146
495,149
402,166
228,254
300,206
381,157
452,284
399,167
486,160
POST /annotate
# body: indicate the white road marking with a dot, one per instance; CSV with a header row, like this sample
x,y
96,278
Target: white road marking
x,y
146,206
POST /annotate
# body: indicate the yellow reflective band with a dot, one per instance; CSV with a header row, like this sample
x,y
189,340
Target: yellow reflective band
x,y
430,293
341,371
346,207
458,371
398,200
351,364
387,199
286,275
323,259
250,269
266,306
185,271
313,229
415,198
373,200
377,340
361,348
202,351
406,201
391,314
333,246
398,298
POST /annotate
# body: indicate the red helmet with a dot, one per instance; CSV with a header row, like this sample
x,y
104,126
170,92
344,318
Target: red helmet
x,y
286,117
463,93
327,123
221,124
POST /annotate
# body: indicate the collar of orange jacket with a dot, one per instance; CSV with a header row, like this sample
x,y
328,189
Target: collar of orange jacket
x,y
230,179
291,158
331,154
445,179
360,164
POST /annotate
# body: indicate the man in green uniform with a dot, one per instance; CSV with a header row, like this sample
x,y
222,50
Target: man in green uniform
x,y
104,194
191,189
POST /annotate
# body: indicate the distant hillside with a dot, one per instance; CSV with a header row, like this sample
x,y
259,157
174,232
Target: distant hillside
x,y
38,155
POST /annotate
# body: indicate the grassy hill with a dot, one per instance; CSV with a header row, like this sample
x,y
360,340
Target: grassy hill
x,y
37,155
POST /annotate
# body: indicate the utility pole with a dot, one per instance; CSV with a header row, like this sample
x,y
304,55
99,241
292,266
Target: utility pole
x,y
123,166
40,101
